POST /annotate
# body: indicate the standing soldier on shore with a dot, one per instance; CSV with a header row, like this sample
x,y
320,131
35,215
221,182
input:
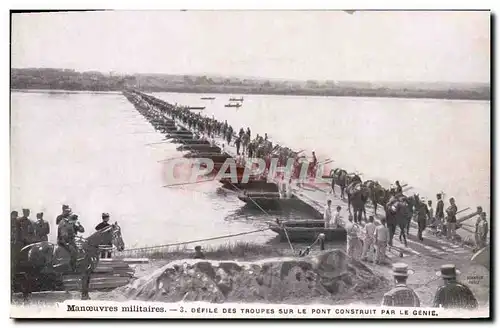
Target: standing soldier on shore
x,y
100,226
369,240
422,217
481,233
327,213
352,236
41,227
25,231
439,212
401,295
381,240
451,219
453,294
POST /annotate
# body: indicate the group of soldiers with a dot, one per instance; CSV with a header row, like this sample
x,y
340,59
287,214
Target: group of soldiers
x,y
380,236
24,231
258,147
452,294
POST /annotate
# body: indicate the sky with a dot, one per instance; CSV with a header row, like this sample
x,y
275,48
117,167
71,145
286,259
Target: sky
x,y
321,45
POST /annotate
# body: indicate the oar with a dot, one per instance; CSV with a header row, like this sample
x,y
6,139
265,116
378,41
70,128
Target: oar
x,y
157,143
465,209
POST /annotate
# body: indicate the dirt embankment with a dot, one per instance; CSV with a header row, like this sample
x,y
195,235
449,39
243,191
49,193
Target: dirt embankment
x,y
328,277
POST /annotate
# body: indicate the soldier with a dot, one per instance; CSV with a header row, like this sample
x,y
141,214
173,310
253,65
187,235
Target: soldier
x,y
381,241
481,233
67,231
401,295
369,240
398,188
453,294
66,211
41,227
25,231
451,219
13,227
327,213
422,217
439,212
100,226
352,236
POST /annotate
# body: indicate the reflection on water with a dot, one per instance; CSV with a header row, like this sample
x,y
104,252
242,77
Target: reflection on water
x,y
91,151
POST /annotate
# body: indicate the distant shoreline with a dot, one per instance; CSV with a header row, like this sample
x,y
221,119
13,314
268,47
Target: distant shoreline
x,y
350,92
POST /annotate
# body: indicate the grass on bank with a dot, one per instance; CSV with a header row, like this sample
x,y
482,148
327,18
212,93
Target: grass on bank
x,y
228,251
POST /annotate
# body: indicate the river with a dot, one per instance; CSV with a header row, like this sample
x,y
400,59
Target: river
x,y
89,150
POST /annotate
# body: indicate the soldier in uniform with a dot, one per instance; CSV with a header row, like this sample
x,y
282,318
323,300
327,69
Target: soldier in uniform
x,y
102,225
67,231
453,294
401,295
42,228
422,216
66,211
399,189
439,212
25,230
481,233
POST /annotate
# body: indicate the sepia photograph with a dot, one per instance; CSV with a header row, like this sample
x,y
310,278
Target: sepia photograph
x,y
278,164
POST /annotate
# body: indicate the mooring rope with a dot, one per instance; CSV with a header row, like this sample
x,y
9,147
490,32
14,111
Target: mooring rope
x,y
191,241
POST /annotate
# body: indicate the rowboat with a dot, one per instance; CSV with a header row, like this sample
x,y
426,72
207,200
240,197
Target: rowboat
x,y
266,199
206,148
232,105
307,231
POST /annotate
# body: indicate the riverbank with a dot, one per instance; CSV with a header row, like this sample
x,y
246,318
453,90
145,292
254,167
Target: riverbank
x,y
366,284
340,92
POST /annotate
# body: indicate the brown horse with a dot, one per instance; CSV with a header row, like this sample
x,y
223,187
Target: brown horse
x,y
357,196
340,177
378,195
44,263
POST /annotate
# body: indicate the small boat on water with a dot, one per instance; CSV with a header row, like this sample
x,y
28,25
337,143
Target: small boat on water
x,y
194,142
179,136
237,105
196,107
196,154
207,98
206,148
236,99
307,231
265,199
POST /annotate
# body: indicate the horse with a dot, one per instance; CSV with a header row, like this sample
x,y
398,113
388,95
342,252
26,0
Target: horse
x,y
357,196
339,178
398,214
377,194
44,262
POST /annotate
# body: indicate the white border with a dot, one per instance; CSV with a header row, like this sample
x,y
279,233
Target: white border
x,y
184,4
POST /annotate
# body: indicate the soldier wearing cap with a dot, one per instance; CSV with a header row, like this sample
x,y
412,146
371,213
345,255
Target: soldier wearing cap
x,y
66,234
401,295
481,233
25,229
42,228
100,226
66,211
453,294
422,217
